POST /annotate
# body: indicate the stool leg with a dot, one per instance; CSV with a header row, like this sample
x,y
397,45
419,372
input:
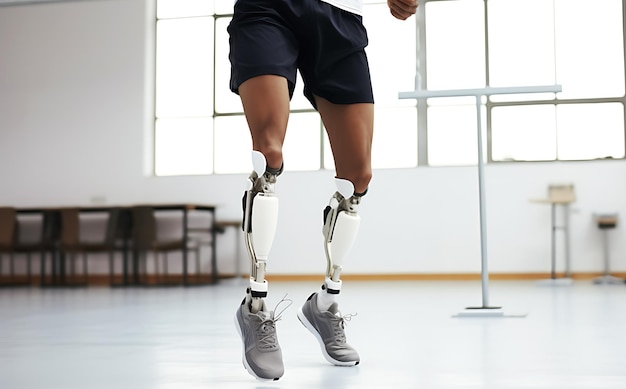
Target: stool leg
x,y
607,278
566,235
553,243
605,244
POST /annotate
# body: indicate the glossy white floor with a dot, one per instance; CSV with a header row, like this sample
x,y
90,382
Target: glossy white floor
x,y
573,337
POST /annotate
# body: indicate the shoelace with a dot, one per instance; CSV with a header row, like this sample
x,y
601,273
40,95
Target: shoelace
x,y
266,336
339,323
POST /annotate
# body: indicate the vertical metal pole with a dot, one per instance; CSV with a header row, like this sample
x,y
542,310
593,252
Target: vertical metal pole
x,y
421,84
185,238
553,242
213,249
482,206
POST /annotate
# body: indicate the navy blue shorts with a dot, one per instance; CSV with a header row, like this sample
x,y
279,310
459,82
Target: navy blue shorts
x,y
325,43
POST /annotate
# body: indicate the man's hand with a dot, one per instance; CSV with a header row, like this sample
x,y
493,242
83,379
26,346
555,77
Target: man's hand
x,y
402,9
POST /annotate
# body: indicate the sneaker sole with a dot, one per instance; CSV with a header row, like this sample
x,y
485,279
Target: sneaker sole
x,y
306,323
243,355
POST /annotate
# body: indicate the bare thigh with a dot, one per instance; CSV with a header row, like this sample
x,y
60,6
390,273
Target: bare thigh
x,y
350,129
265,102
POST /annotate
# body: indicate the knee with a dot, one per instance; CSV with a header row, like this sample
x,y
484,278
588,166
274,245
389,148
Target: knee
x,y
273,155
361,180
271,148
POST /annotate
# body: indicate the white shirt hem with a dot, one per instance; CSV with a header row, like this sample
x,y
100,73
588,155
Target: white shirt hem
x,y
346,7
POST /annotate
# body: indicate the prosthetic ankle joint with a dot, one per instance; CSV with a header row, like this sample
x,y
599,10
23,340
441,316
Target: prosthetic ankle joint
x,y
260,214
341,224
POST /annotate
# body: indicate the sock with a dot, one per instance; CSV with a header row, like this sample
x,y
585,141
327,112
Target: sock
x,y
357,194
275,171
325,300
256,304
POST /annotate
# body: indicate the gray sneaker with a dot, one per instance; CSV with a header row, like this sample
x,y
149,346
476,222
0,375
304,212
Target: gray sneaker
x,y
261,352
328,329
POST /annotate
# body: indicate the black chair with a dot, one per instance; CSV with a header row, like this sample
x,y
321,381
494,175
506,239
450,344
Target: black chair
x,y
10,244
119,236
71,243
146,241
7,240
49,242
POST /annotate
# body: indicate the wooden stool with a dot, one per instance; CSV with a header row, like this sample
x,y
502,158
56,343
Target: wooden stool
x,y
559,195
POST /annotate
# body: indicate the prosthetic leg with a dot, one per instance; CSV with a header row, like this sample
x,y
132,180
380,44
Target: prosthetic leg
x,y
262,356
260,214
320,313
341,224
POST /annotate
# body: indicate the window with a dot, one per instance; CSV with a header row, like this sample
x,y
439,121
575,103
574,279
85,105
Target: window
x,y
450,44
586,120
184,95
455,59
200,127
473,43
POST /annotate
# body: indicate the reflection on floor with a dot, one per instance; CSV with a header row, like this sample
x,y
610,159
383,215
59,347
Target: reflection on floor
x,y
573,337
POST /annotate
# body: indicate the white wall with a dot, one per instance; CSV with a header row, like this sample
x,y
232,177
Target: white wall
x,y
75,109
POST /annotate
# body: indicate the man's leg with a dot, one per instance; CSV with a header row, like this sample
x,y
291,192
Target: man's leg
x,y
265,102
266,105
350,131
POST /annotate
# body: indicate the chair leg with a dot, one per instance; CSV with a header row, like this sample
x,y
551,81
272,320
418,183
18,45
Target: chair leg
x,y
111,267
72,267
144,263
42,269
145,268
58,268
54,265
165,263
29,273
157,271
12,267
85,269
137,268
197,253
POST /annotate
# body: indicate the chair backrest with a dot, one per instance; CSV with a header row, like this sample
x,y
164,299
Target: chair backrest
x,y
112,225
8,222
70,227
51,229
144,227
124,223
119,226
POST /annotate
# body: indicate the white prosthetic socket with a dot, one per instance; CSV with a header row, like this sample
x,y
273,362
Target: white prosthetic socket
x,y
341,225
260,209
